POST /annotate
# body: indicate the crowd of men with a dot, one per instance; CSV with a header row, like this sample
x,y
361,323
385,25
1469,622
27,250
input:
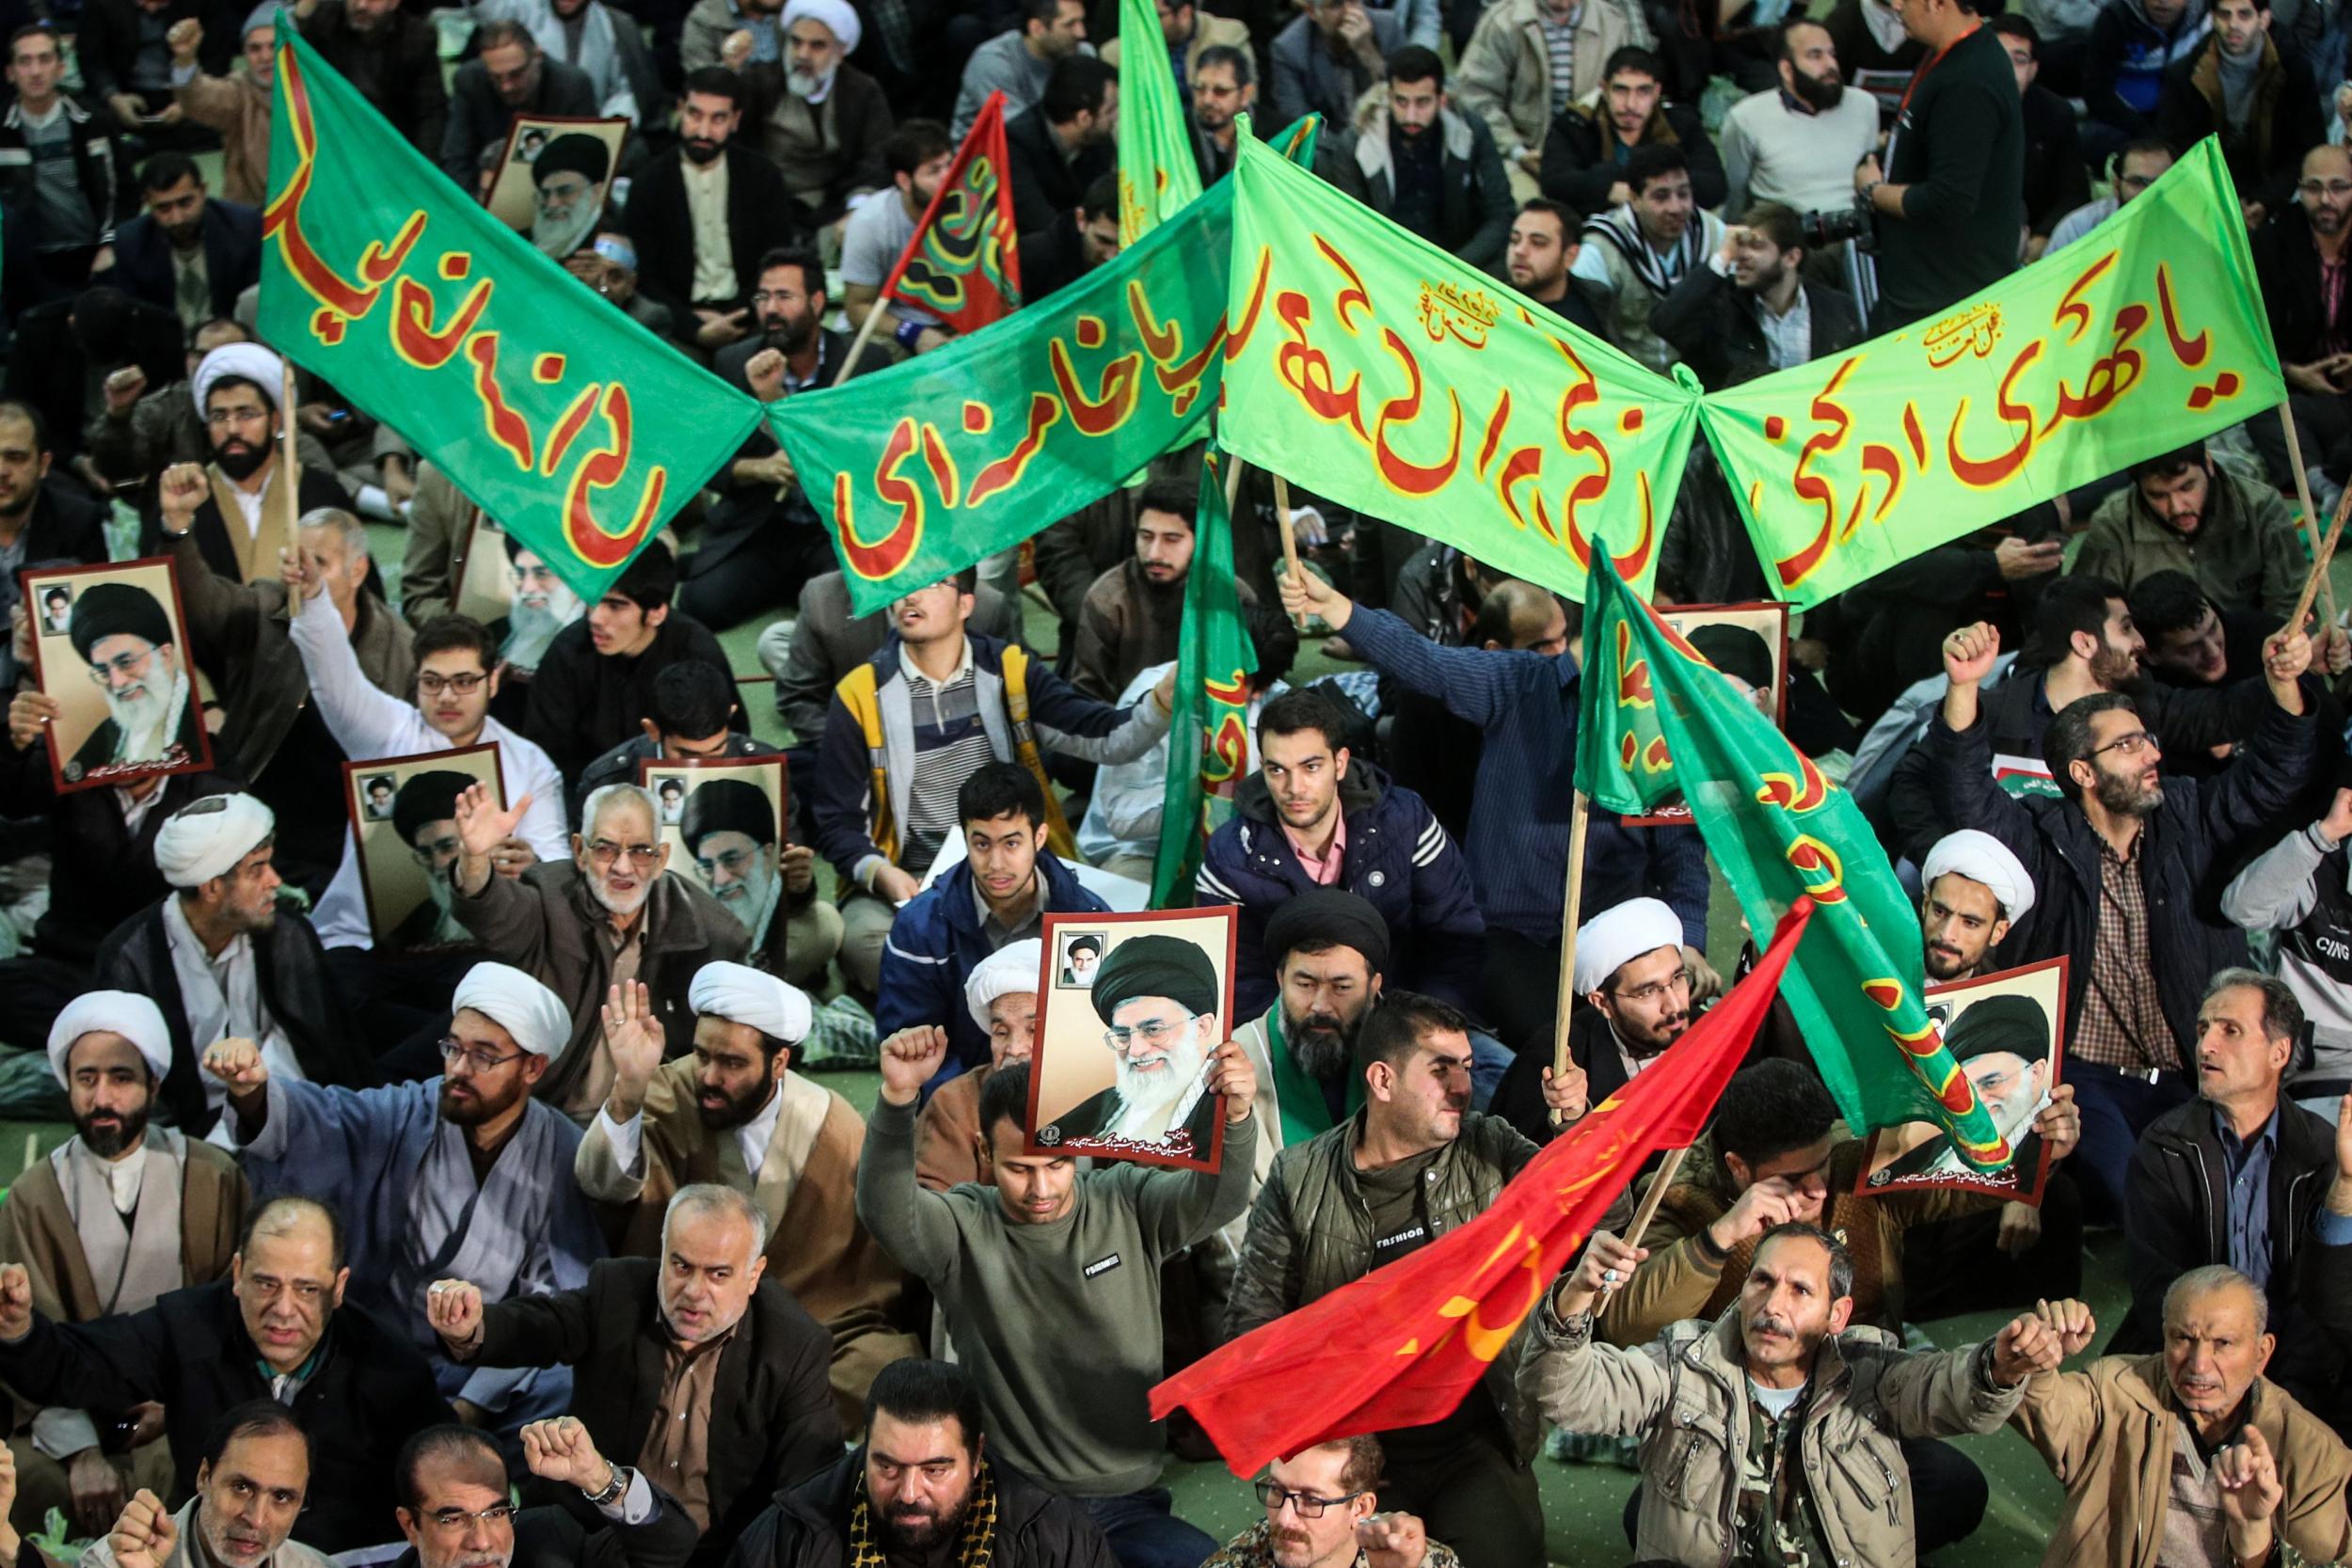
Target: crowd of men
x,y
530,1230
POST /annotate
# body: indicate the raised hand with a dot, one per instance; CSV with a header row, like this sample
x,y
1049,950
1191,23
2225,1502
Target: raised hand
x,y
2025,1345
453,1309
123,389
145,1535
798,865
736,52
301,582
1969,653
2250,1490
1231,1075
1305,594
238,1064
185,38
1705,983
1566,1094
909,1058
16,1302
1392,1540
2337,825
2072,1321
179,493
480,827
634,1038
2021,1229
1608,1263
561,1451
1775,1200
2287,653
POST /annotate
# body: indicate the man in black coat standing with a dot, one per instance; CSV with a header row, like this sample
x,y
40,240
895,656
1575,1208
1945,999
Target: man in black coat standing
x,y
276,1328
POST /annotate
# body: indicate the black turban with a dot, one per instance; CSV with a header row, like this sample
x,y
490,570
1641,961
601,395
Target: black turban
x,y
2010,1022
1085,945
1156,966
1735,650
116,609
574,153
1326,915
428,798
727,805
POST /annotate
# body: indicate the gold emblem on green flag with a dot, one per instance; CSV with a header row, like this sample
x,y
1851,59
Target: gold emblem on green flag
x,y
1657,719
2144,335
1409,385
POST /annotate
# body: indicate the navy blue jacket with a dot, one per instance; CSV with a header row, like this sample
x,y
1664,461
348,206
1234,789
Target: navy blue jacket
x,y
232,257
934,945
1397,858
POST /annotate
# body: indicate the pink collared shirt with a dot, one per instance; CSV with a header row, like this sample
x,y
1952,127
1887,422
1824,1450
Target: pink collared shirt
x,y
1324,869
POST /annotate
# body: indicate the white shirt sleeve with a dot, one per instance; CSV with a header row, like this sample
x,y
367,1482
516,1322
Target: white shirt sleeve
x,y
364,720
526,770
62,1433
626,1141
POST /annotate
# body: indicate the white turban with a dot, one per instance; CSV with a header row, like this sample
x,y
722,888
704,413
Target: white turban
x,y
757,1000
206,838
1013,967
249,360
135,1018
518,1004
1981,858
1616,937
837,15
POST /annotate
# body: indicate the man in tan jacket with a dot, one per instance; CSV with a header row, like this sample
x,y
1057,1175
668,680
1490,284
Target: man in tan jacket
x,y
2189,1455
1505,76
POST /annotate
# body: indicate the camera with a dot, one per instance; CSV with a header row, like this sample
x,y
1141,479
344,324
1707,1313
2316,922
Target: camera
x,y
1823,229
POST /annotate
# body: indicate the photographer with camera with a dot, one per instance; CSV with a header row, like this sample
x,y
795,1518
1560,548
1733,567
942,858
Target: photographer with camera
x,y
1949,200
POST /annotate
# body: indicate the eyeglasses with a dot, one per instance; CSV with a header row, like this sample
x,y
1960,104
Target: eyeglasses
x,y
1679,980
435,853
128,666
247,415
1307,1504
770,297
603,852
2130,745
1156,1033
458,1518
465,686
2340,189
475,1059
734,863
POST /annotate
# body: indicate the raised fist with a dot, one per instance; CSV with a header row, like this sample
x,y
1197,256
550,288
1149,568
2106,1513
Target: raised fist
x,y
145,1535
454,1308
238,1064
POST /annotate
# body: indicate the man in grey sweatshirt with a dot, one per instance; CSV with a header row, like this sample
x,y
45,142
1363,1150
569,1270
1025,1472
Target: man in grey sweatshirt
x,y
1050,1284
2300,889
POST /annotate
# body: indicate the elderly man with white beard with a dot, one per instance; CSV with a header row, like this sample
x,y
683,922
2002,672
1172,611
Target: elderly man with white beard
x,y
819,118
568,186
1001,995
424,815
153,719
465,1175
1159,997
611,915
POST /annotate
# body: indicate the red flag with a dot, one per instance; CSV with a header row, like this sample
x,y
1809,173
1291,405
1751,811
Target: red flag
x,y
1401,1346
963,263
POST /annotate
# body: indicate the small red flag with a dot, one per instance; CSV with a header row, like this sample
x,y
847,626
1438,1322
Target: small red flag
x,y
963,263
1401,1346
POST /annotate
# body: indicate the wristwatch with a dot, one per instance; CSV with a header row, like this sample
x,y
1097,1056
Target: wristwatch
x,y
613,1489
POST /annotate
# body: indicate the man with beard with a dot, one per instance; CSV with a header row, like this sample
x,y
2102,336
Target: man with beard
x,y
702,219
594,688
1018,63
1410,1164
116,1215
1159,997
1080,958
1133,612
1052,1259
460,1175
918,156
456,1511
611,913
391,58
1778,1380
249,1490
153,717
821,121
1634,255
731,833
543,606
2182,513
187,252
693,719
2295,253
922,1488
1001,996
1588,143
1750,310
1061,144
277,1329
568,183
1224,87
732,1112
2190,643
1972,892
1433,170
248,516
1330,1494
1538,255
223,960
1796,144
424,815
509,75
2116,858
762,540
732,1367
2002,1044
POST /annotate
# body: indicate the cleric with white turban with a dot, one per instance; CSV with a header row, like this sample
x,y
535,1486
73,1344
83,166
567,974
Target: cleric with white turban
x,y
1011,968
206,838
135,1018
1617,935
840,17
244,362
529,1012
753,998
1981,858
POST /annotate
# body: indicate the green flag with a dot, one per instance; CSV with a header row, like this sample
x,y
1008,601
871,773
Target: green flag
x,y
956,454
571,425
1404,382
2144,335
1208,739
1156,171
1657,719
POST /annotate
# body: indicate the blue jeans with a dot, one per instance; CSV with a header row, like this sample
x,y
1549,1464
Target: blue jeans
x,y
1143,1533
2116,1109
1490,1060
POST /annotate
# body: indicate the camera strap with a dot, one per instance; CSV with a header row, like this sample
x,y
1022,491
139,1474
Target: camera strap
x,y
1902,110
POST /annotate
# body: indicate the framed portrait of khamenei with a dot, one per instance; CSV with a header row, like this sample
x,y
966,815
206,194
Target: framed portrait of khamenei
x,y
553,177
1131,1009
1749,644
404,819
110,648
724,822
2006,1029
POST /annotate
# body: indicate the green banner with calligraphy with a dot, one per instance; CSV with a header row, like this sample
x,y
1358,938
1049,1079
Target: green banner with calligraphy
x,y
1157,175
2144,335
1208,739
930,464
575,428
1404,382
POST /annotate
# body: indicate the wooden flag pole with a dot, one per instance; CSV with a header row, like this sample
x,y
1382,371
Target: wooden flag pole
x,y
2319,565
1290,534
1648,1210
289,479
2303,494
1579,818
865,336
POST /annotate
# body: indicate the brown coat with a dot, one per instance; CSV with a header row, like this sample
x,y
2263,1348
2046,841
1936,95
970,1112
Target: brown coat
x,y
36,1231
808,1187
947,1134
238,107
2107,1433
1684,1278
